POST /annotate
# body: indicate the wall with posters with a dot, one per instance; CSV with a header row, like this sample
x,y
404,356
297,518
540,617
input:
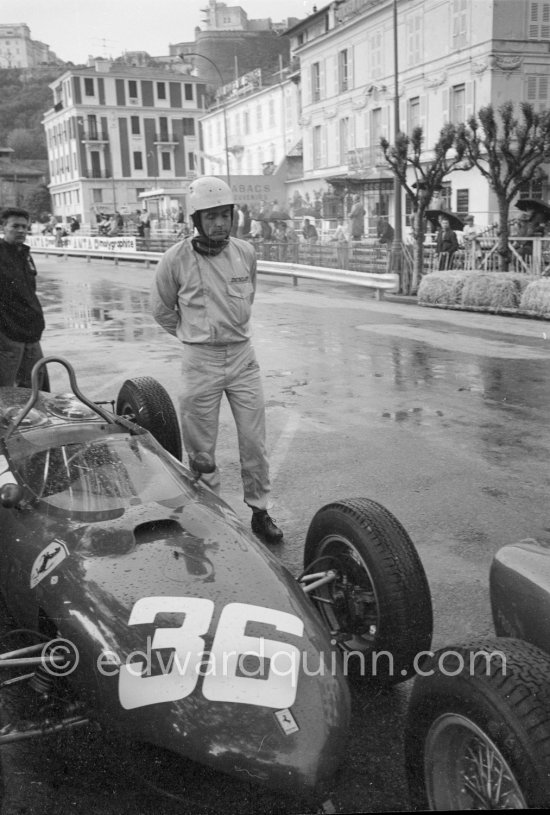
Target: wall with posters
x,y
258,190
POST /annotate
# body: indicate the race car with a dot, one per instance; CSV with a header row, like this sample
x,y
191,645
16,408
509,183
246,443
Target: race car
x,y
142,604
478,726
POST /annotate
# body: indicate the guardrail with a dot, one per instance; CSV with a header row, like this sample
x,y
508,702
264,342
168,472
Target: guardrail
x,y
380,283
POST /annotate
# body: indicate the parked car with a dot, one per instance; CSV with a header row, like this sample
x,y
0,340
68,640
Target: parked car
x,y
478,728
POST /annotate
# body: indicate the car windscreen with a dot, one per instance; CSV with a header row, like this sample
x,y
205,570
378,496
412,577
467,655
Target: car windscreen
x,y
110,473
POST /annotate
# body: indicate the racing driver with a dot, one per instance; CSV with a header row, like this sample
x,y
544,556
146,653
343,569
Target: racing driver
x,y
202,294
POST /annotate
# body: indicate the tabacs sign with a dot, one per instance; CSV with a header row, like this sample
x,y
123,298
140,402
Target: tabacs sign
x,y
255,190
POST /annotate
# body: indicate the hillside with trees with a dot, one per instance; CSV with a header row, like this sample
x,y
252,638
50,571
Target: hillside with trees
x,y
24,98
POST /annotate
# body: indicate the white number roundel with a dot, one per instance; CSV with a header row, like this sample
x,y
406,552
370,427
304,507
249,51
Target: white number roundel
x,y
239,668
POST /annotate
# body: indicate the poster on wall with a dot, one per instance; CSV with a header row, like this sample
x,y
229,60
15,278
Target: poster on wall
x,y
259,192
126,243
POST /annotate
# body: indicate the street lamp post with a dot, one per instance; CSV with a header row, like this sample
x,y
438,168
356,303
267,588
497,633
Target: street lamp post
x,y
398,236
211,61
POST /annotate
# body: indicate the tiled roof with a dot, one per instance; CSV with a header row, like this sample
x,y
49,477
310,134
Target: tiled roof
x,y
20,168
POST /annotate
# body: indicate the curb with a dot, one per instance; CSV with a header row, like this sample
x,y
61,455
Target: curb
x,y
410,299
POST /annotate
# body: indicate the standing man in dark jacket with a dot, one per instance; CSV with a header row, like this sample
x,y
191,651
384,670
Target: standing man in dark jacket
x,y
446,244
21,317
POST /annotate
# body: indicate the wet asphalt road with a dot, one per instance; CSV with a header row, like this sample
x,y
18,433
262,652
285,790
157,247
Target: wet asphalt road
x,y
441,416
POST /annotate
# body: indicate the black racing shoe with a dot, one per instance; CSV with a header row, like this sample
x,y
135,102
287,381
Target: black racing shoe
x,y
265,527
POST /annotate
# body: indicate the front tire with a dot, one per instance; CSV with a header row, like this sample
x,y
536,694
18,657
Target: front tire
x,y
378,609
145,402
478,728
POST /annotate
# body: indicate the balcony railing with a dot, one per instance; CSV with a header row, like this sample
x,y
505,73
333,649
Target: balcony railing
x,y
363,158
97,174
166,138
95,136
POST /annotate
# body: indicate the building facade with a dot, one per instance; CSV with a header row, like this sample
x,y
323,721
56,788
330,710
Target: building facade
x,y
119,137
454,56
262,125
18,178
18,50
235,44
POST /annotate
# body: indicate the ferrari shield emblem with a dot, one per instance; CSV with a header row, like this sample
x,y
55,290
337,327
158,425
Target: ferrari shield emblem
x,y
286,721
48,559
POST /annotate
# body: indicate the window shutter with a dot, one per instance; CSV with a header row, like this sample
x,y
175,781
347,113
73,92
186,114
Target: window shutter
x,y
322,80
323,146
386,125
539,21
308,149
470,100
543,94
460,23
403,110
534,21
367,129
537,91
418,25
423,114
336,142
332,76
410,41
445,105
463,17
307,87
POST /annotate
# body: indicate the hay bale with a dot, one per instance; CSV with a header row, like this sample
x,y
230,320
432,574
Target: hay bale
x,y
441,289
536,298
493,291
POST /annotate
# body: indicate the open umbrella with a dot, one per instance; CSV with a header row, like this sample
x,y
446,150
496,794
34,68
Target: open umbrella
x,y
277,214
526,204
455,221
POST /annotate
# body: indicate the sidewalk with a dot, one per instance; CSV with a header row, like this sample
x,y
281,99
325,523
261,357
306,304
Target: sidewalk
x,y
401,298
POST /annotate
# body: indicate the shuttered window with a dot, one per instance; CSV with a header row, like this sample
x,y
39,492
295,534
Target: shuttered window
x,y
315,82
458,104
414,39
317,147
460,23
343,70
375,54
539,20
537,91
413,114
344,140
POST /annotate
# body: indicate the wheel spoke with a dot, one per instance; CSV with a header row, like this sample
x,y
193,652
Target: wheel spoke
x,y
468,770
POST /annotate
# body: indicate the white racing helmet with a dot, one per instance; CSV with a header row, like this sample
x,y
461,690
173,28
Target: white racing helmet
x,y
208,192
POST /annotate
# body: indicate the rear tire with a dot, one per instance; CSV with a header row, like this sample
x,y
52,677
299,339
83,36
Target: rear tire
x,y
145,402
478,731
380,602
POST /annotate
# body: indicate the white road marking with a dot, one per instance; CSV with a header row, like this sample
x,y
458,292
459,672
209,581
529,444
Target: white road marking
x,y
280,451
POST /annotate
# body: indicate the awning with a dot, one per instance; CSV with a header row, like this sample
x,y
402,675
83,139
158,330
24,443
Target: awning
x,y
160,192
297,151
376,177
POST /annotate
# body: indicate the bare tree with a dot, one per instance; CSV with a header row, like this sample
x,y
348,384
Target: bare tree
x,y
507,151
421,175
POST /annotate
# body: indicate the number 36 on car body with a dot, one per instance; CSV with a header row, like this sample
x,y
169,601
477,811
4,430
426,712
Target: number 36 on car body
x,y
225,677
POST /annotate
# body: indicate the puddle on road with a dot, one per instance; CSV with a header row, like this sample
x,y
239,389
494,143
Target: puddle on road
x,y
99,307
416,414
326,363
